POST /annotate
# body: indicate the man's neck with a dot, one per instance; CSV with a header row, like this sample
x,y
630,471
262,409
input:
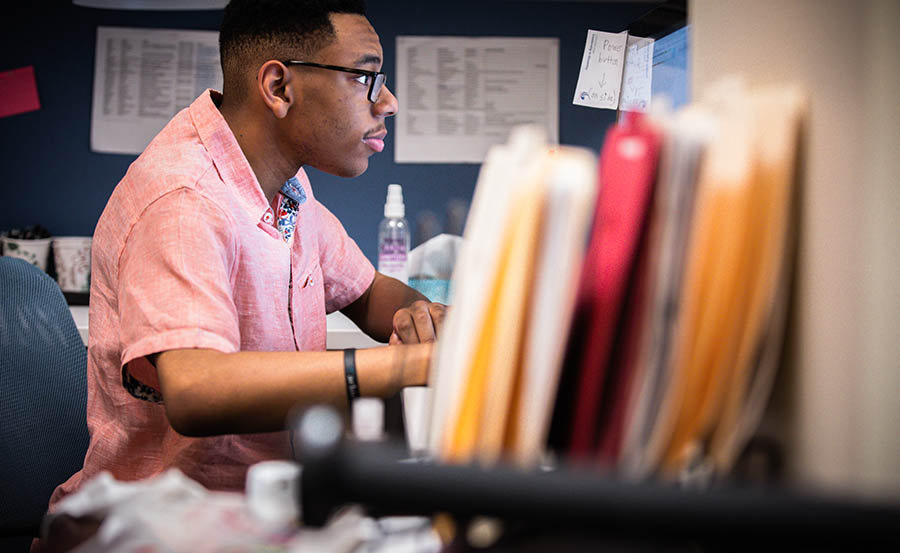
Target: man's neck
x,y
270,165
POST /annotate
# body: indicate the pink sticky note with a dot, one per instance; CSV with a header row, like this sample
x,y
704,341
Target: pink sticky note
x,y
18,91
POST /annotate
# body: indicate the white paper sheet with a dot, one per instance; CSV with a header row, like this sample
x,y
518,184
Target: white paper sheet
x,y
616,71
142,77
637,74
571,190
600,79
461,95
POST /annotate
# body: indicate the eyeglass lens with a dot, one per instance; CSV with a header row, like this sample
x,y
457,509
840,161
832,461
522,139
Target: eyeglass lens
x,y
377,84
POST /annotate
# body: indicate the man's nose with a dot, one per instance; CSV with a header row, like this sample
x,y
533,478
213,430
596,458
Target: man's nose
x,y
387,104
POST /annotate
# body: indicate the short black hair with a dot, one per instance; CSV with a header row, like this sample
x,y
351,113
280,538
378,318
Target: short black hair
x,y
254,31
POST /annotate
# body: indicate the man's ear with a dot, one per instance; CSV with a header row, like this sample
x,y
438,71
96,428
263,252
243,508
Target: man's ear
x,y
277,86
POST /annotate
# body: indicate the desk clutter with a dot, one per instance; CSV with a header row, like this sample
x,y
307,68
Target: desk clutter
x,y
172,513
66,258
625,313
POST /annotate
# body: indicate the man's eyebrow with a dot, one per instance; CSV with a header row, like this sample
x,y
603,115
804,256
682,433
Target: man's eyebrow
x,y
368,59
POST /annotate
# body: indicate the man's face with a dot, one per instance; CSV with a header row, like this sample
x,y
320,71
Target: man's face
x,y
335,128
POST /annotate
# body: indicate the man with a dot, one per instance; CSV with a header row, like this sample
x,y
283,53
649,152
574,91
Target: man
x,y
214,265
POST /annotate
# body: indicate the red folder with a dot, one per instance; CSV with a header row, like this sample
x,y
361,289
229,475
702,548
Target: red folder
x,y
627,175
624,359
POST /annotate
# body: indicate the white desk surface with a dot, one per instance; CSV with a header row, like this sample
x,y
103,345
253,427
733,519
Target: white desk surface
x,y
342,332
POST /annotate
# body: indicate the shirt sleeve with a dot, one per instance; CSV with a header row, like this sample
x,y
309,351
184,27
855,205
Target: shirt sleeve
x,y
347,273
175,283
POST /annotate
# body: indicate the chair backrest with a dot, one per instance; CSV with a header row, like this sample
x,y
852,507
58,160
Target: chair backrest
x,y
43,395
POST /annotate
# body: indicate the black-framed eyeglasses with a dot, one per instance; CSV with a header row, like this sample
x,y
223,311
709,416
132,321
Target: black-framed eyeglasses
x,y
375,79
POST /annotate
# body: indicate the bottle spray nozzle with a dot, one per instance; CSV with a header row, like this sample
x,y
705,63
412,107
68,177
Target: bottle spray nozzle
x,y
393,206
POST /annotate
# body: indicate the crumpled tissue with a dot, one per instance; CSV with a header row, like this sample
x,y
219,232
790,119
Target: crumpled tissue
x,y
431,266
172,513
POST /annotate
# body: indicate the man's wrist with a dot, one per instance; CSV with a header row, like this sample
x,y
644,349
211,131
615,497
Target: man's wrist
x,y
417,360
384,371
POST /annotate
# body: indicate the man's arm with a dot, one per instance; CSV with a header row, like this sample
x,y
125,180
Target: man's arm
x,y
392,311
207,392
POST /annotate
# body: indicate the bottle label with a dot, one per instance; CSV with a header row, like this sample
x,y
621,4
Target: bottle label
x,y
392,258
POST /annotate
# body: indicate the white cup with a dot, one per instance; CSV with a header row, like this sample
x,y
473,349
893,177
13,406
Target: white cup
x,y
35,251
272,490
416,401
72,255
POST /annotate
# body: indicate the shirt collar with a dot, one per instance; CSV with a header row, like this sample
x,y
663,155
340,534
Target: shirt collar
x,y
293,189
229,159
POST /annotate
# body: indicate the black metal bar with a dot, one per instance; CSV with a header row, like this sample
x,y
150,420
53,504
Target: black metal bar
x,y
580,501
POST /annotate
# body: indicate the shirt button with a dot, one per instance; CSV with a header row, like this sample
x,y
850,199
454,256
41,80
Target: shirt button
x,y
267,217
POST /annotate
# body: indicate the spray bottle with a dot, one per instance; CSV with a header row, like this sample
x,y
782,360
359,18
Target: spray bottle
x,y
393,236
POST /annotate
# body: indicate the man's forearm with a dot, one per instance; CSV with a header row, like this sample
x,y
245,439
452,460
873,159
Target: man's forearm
x,y
208,392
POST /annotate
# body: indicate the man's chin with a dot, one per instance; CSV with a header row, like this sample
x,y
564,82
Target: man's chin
x,y
346,171
351,171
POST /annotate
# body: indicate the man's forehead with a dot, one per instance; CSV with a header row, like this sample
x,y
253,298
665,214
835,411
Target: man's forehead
x,y
355,39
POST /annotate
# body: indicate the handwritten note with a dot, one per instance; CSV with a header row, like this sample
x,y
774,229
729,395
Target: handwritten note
x,y
615,71
637,74
600,79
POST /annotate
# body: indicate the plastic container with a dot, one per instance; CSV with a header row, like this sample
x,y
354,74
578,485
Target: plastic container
x,y
368,419
393,237
272,491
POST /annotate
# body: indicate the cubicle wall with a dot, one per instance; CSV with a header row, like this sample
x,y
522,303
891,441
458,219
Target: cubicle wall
x,y
50,176
837,405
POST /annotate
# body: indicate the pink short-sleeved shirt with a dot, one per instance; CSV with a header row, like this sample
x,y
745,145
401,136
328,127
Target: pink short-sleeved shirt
x,y
187,255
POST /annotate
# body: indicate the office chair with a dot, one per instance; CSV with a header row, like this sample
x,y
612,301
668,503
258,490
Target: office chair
x,y
43,398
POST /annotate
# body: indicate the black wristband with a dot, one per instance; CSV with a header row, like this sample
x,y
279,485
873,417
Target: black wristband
x,y
350,374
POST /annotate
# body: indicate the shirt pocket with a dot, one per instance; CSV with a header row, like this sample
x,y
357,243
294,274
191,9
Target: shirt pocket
x,y
308,309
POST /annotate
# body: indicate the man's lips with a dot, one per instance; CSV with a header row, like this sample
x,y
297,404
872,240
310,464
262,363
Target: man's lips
x,y
375,140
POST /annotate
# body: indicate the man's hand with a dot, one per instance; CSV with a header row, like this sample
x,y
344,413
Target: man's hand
x,y
390,311
420,322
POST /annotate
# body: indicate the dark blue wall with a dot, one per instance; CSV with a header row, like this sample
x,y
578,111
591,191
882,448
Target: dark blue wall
x,y
49,175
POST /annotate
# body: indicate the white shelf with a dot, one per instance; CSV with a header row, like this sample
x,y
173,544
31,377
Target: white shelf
x,y
80,314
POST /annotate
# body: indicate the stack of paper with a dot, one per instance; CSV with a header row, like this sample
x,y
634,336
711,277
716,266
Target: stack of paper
x,y
697,344
648,341
498,359
685,138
